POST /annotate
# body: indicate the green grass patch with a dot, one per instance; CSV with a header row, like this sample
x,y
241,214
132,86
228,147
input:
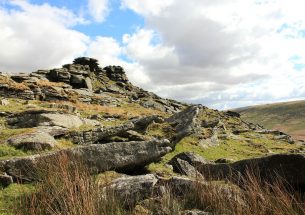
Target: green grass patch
x,y
9,152
10,197
240,148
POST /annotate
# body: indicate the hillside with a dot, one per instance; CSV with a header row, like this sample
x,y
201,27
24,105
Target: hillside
x,y
285,116
69,132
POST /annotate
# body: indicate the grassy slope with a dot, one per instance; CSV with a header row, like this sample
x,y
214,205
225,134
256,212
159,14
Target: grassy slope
x,y
287,117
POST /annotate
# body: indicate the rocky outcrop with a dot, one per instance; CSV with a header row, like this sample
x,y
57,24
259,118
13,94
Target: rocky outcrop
x,y
289,167
116,73
35,118
124,157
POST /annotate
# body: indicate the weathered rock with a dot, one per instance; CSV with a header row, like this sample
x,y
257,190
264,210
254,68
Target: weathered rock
x,y
153,104
78,80
184,168
185,122
223,160
116,73
194,212
134,136
54,131
88,83
91,62
122,157
289,167
5,180
54,93
98,134
131,189
66,107
180,185
192,158
35,118
144,122
32,141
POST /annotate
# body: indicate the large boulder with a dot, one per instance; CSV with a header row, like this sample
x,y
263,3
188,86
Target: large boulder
x,y
32,141
289,167
131,189
123,157
35,118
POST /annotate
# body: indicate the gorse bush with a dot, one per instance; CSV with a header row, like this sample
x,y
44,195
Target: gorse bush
x,y
66,188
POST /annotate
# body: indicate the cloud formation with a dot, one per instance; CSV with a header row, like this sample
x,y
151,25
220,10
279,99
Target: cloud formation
x,y
38,36
221,52
98,9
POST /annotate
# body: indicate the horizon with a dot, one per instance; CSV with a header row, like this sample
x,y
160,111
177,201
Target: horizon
x,y
223,55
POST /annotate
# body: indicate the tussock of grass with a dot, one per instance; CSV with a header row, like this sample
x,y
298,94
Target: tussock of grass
x,y
7,152
46,83
64,144
10,195
11,84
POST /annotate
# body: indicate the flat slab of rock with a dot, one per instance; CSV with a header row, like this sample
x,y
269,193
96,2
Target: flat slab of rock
x,y
32,141
123,156
35,118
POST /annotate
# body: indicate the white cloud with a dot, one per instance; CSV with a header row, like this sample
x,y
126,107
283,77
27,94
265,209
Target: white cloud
x,y
147,7
98,9
38,36
195,50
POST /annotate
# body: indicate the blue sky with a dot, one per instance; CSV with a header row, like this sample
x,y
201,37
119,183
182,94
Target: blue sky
x,y
220,53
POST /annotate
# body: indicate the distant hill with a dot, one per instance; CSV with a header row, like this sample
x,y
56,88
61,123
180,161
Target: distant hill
x,y
288,117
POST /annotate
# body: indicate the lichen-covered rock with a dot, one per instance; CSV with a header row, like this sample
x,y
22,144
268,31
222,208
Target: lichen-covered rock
x,y
35,118
122,157
32,141
96,135
131,189
185,122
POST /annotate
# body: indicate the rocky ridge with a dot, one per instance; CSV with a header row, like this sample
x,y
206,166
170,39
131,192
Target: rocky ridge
x,y
96,115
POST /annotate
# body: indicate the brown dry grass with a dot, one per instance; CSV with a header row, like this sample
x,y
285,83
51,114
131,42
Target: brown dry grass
x,y
12,84
68,189
45,83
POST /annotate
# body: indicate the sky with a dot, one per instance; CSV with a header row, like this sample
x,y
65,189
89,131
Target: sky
x,y
223,54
